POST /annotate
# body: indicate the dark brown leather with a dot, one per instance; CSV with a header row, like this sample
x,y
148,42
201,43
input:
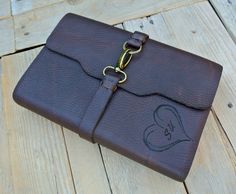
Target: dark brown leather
x,y
156,117
156,67
97,106
137,39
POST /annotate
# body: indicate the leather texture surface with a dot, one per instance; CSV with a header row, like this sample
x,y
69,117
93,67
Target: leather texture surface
x,y
97,106
95,46
155,118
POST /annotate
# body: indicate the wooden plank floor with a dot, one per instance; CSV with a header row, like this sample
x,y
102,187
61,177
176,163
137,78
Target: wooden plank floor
x,y
38,156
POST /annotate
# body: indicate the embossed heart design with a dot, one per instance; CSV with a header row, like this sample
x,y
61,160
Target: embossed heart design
x,y
166,131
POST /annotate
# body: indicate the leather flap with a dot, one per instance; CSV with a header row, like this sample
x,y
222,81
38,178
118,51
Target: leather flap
x,y
157,69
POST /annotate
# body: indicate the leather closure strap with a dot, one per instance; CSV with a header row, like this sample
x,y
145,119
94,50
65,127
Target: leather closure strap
x,y
137,39
97,107
108,86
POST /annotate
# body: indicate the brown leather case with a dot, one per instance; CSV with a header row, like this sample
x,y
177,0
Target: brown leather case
x,y
155,118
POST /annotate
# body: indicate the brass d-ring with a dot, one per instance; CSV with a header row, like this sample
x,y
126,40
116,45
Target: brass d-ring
x,y
132,51
117,70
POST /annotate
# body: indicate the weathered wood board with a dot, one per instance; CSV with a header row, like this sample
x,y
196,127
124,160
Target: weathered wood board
x,y
127,176
33,27
214,167
226,9
86,165
5,8
35,149
19,7
6,183
7,38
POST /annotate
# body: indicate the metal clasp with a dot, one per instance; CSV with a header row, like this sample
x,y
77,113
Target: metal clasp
x,y
123,61
117,70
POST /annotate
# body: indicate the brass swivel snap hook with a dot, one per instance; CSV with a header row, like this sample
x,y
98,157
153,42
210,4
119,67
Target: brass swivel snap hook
x,y
123,61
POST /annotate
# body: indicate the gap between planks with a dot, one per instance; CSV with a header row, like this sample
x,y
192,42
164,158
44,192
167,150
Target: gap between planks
x,y
68,157
226,10
223,131
33,21
32,28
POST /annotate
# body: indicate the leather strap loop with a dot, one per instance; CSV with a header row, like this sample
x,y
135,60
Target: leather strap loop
x,y
97,107
137,39
104,93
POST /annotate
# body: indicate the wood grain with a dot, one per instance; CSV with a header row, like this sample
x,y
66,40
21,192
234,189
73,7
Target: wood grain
x,y
5,9
37,154
86,165
19,7
7,39
33,27
214,167
128,176
6,182
226,9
